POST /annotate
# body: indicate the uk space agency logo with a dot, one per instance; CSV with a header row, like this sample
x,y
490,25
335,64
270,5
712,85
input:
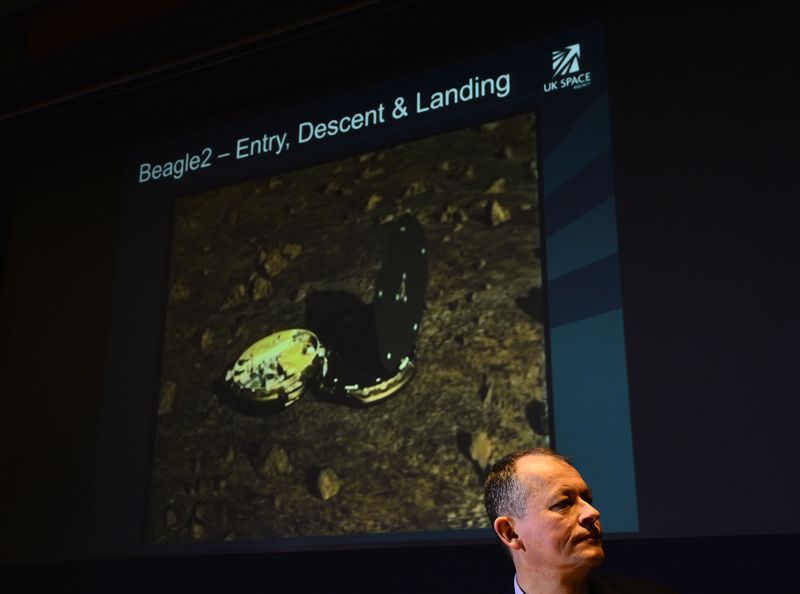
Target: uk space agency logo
x,y
567,60
567,73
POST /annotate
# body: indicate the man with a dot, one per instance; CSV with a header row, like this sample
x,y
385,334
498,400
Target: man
x,y
541,509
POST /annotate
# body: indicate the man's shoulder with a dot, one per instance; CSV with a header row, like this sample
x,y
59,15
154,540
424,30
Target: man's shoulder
x,y
614,584
611,584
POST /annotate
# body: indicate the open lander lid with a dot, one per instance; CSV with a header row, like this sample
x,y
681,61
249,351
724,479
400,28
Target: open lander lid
x,y
362,355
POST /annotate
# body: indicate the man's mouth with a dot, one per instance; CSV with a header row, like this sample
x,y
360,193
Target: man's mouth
x,y
593,536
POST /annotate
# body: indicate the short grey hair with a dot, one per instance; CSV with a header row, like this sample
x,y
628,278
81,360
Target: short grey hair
x,y
504,494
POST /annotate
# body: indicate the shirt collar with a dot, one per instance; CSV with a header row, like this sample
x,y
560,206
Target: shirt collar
x,y
517,589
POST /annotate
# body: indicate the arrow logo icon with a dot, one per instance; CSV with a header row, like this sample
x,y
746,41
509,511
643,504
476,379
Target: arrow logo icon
x,y
567,61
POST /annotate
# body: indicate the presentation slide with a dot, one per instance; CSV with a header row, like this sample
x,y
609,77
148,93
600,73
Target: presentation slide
x,y
335,317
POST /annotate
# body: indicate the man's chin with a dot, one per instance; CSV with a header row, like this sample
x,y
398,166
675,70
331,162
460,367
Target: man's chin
x,y
593,552
595,557
589,560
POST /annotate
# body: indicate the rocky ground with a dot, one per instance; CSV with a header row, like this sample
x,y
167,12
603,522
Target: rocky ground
x,y
245,262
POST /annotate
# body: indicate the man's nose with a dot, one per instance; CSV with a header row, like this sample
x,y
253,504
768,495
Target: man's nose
x,y
589,514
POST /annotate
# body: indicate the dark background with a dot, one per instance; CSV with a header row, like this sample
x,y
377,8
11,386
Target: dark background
x,y
704,138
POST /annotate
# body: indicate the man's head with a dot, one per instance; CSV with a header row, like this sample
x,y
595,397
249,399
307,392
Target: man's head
x,y
541,509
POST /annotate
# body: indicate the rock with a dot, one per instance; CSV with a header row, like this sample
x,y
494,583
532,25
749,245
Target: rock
x,y
331,187
335,187
536,413
445,166
299,294
291,250
170,518
423,217
199,511
453,214
328,484
196,530
415,189
505,153
525,206
272,263
259,287
372,202
498,187
387,219
236,296
368,173
179,292
480,449
275,183
167,401
469,172
206,339
490,126
230,456
276,462
498,214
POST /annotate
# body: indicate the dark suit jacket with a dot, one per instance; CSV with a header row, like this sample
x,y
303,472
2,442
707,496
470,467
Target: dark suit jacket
x,y
612,584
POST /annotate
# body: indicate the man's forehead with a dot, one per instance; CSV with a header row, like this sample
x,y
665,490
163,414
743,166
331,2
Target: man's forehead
x,y
539,469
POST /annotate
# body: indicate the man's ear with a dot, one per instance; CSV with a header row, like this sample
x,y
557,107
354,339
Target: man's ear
x,y
504,527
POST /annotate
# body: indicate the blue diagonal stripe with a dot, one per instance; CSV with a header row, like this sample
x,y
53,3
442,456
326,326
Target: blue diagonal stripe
x,y
586,292
583,191
589,138
590,237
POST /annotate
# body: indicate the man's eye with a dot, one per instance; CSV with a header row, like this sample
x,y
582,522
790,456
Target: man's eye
x,y
563,504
